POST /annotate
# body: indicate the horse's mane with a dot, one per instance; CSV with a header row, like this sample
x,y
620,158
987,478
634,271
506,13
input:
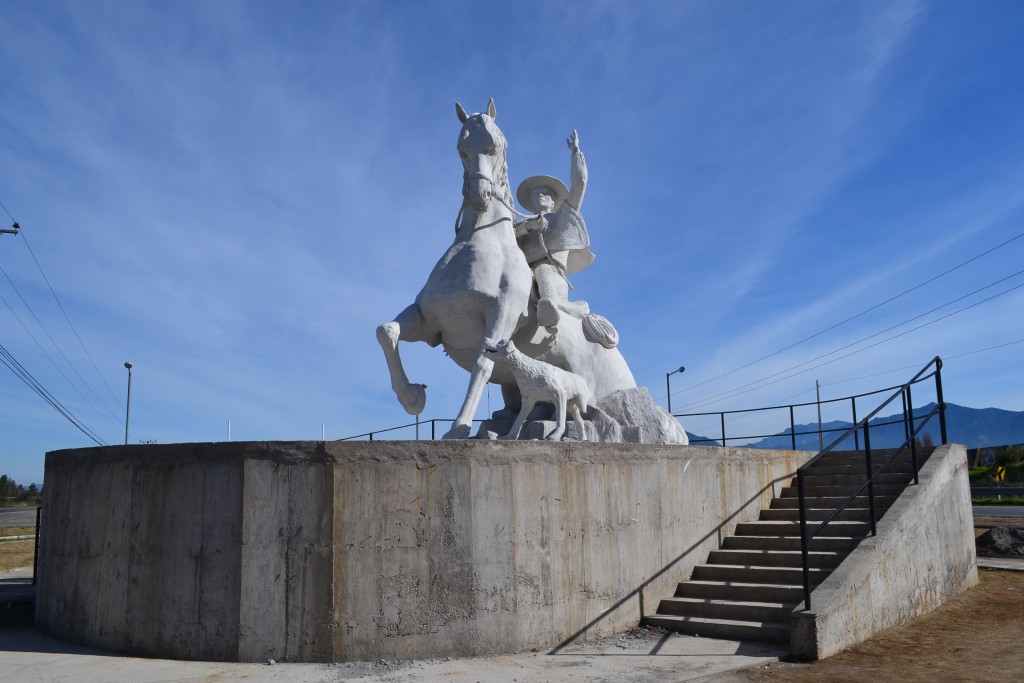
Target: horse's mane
x,y
503,172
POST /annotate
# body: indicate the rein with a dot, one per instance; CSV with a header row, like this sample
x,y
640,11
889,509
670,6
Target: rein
x,y
500,196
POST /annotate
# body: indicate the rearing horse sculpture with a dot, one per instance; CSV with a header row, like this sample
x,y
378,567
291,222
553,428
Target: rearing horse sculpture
x,y
481,288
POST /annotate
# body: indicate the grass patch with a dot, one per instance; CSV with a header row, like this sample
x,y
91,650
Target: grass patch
x,y
1006,500
15,554
986,474
17,531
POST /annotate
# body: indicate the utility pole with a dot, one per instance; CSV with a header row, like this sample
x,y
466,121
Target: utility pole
x,y
128,407
668,386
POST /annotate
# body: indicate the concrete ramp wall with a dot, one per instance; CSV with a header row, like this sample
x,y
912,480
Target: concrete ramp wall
x,y
305,551
923,555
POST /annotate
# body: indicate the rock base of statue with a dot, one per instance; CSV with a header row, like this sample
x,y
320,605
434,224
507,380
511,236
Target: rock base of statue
x,y
625,416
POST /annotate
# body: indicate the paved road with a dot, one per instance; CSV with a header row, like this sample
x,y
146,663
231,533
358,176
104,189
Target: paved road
x,y
1015,511
17,517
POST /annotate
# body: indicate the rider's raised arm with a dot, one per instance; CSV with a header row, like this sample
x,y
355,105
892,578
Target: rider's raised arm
x,y
577,172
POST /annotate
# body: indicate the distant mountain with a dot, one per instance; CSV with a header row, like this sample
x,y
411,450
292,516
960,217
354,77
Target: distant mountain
x,y
972,427
697,440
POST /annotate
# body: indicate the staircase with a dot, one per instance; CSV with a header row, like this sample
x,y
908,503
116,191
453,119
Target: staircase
x,y
748,589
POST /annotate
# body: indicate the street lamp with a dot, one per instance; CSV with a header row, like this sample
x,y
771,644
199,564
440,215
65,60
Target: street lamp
x,y
128,409
668,386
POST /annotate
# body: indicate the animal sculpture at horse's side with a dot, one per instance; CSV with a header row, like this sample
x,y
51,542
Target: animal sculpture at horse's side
x,y
481,288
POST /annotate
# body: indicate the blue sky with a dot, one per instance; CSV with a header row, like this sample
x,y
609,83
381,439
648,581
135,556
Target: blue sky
x,y
234,195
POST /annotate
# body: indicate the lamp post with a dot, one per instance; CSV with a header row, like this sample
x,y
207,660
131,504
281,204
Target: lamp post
x,y
128,408
668,386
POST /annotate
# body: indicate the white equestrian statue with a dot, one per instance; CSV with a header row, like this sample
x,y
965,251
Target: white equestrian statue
x,y
482,287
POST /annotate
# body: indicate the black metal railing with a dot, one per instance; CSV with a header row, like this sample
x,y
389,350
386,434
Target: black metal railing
x,y
419,423
821,432
721,416
913,424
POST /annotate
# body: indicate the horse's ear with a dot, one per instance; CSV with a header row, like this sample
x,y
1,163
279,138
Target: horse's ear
x,y
461,113
490,109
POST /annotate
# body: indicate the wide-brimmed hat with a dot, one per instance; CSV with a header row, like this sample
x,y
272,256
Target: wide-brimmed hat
x,y
524,193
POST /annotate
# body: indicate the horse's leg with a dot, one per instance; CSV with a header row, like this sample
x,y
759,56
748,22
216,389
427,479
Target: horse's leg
x,y
499,324
408,326
517,426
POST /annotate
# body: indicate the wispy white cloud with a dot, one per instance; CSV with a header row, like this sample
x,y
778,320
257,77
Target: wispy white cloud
x,y
233,195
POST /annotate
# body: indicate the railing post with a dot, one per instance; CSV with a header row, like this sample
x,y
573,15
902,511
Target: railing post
x,y
792,427
907,428
913,441
821,441
433,437
371,436
856,437
35,554
939,400
723,429
871,477
804,541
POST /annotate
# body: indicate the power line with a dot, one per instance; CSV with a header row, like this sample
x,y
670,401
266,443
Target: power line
x,y
859,341
50,358
918,365
881,332
25,376
724,395
105,406
843,322
52,341
24,237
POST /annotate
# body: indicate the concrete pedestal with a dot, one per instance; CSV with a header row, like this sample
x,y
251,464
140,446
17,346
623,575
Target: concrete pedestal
x,y
306,551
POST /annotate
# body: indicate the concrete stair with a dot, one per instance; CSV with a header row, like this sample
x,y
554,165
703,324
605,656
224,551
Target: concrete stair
x,y
748,588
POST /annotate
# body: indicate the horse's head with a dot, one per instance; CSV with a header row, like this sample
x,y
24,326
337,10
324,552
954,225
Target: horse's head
x,y
482,148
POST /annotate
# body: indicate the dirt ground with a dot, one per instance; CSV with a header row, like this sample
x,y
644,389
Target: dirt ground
x,y
978,636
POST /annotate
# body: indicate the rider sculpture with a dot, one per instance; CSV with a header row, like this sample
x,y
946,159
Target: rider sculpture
x,y
556,244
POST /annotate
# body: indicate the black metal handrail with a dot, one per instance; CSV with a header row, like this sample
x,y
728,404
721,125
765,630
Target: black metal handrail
x,y
909,420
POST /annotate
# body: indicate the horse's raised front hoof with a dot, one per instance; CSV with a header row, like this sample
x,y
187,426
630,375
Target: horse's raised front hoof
x,y
457,432
414,398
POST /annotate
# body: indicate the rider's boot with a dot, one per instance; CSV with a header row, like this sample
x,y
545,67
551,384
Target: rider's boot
x,y
548,315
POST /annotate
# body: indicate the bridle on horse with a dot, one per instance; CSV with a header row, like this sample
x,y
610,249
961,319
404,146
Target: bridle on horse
x,y
480,175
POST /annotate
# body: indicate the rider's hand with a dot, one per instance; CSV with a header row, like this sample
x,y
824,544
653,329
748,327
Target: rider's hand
x,y
574,141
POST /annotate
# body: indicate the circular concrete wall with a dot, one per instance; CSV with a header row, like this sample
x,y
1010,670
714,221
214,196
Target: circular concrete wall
x,y
306,551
